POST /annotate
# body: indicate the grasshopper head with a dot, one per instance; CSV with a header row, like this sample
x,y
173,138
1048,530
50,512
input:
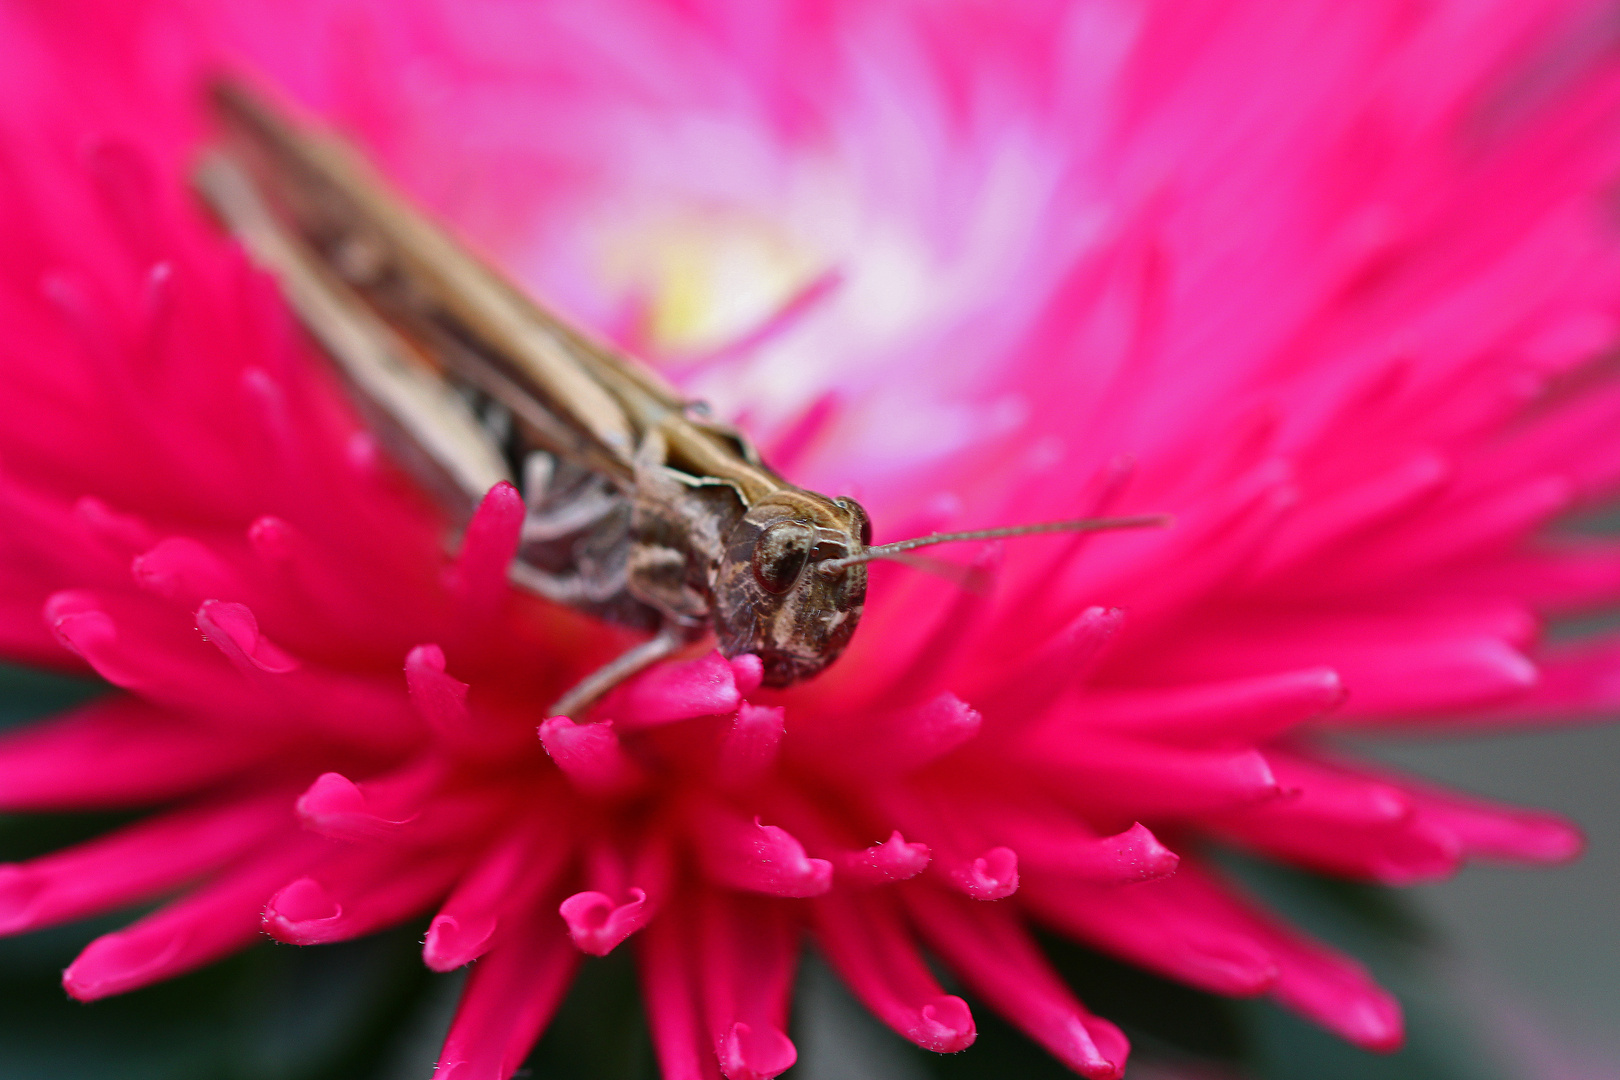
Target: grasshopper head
x,y
770,598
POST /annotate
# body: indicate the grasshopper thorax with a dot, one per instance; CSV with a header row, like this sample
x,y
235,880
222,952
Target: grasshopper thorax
x,y
770,599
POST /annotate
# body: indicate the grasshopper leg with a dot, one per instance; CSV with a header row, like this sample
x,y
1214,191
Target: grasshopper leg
x,y
668,641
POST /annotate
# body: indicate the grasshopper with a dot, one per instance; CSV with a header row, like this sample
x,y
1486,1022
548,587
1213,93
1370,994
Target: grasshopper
x,y
639,508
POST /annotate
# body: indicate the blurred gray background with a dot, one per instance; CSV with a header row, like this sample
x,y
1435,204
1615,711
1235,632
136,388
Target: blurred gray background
x,y
1538,949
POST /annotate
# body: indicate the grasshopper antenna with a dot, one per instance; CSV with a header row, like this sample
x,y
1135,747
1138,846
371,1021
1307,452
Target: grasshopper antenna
x,y
1080,525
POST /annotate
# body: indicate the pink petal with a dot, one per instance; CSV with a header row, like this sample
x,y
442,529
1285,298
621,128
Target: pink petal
x,y
212,922
1001,962
750,950
893,860
749,749
754,856
706,686
1218,713
233,628
478,578
991,876
510,997
862,937
116,751
597,923
440,699
502,884
591,757
135,863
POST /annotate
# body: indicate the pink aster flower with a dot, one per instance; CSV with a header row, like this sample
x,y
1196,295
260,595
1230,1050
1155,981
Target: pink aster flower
x,y
1334,284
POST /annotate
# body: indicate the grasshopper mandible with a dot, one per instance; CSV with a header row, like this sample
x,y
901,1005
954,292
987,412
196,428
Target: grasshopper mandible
x,y
639,508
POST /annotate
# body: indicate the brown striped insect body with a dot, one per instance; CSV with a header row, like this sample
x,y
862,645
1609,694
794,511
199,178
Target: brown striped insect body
x,y
639,508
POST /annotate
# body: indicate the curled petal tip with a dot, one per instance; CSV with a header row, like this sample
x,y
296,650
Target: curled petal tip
x,y
758,857
945,1025
300,911
597,924
439,699
1143,851
992,876
1234,968
750,1053
88,632
235,630
895,859
453,942
335,806
591,756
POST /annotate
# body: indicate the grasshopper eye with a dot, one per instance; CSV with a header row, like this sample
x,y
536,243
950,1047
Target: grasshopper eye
x,y
781,554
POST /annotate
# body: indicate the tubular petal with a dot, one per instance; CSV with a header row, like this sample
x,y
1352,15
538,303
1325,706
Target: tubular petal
x,y
750,950
1157,934
1031,687
115,751
510,997
1051,846
993,953
899,742
137,862
664,694
597,923
863,938
503,883
747,672
212,922
1214,713
126,531
357,894
590,756
439,699
881,864
991,876
478,577
749,749
233,628
124,657
334,807
749,1054
1139,778
1364,508
185,571
669,989
1403,853
754,856
1501,832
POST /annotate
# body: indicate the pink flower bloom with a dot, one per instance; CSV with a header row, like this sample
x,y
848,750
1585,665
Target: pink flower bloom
x,y
1332,283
